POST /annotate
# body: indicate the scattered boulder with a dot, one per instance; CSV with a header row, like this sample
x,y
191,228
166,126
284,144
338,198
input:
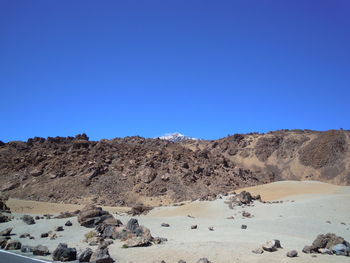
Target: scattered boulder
x,y
26,249
243,198
101,256
68,223
44,235
165,225
91,216
328,244
243,226
63,253
258,250
203,260
211,228
3,242
272,245
246,214
85,255
25,235
194,227
41,251
29,220
159,240
13,245
4,218
139,209
6,232
292,254
59,228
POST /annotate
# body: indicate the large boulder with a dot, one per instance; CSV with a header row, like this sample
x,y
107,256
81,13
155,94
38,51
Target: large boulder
x,y
41,251
108,227
63,253
3,242
13,245
139,210
4,218
6,232
328,244
85,255
29,220
101,255
91,216
27,249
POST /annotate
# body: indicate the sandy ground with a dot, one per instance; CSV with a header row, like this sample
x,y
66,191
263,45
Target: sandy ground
x,y
295,224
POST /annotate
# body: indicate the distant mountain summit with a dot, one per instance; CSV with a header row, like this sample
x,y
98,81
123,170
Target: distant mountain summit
x,y
177,137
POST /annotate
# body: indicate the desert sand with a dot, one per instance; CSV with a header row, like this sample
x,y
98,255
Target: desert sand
x,y
296,222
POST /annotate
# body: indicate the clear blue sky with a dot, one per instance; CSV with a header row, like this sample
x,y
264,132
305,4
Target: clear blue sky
x,y
203,68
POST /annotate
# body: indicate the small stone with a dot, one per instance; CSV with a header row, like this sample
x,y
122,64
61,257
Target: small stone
x,y
59,228
194,227
258,250
272,245
26,249
181,261
68,223
203,260
243,226
211,228
43,235
165,225
292,254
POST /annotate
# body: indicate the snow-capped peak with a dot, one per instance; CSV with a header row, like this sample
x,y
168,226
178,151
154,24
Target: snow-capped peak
x,y
176,137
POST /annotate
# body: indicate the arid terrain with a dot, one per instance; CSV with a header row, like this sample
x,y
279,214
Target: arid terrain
x,y
294,213
132,170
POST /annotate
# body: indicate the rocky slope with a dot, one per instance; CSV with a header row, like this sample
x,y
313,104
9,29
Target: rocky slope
x,y
130,170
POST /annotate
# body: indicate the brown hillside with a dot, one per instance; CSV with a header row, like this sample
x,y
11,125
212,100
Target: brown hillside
x,y
130,170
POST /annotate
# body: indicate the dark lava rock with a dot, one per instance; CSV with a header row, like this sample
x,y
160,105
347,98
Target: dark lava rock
x,y
4,218
63,253
43,235
59,228
41,251
68,223
85,255
101,256
29,220
3,242
91,216
13,245
292,254
26,249
165,225
6,232
243,226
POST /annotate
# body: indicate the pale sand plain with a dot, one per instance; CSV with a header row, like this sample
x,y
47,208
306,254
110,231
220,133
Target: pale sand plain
x,y
296,222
